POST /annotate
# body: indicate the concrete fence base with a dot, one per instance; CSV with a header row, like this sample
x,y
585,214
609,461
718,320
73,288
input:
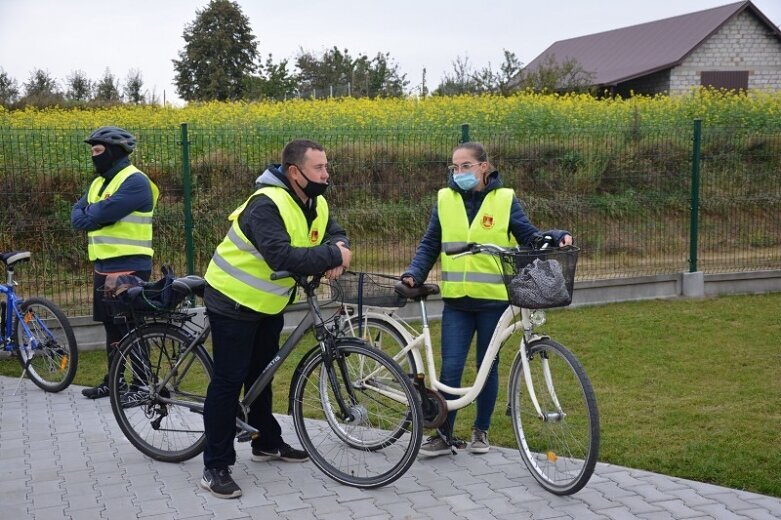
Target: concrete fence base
x,y
90,335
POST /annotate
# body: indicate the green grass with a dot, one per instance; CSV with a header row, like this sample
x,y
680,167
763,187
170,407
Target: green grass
x,y
688,388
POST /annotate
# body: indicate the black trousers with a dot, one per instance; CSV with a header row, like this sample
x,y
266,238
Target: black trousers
x,y
101,312
241,350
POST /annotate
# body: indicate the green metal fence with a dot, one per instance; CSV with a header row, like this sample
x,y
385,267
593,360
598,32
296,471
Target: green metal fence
x,y
626,194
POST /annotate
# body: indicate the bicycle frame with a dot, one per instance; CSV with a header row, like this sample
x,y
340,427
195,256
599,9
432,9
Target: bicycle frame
x,y
265,377
11,307
9,304
509,323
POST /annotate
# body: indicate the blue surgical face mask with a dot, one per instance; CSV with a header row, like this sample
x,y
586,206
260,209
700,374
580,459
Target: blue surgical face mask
x,y
465,180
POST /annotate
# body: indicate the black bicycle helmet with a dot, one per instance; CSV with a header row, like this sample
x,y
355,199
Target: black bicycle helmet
x,y
113,135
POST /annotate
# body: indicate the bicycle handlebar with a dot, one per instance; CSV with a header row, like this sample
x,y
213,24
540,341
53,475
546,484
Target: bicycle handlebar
x,y
472,248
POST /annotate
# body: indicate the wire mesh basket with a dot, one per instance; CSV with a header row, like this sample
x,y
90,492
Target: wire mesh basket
x,y
129,295
540,279
368,289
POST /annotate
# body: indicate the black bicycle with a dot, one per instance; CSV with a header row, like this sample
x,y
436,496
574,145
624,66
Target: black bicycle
x,y
355,412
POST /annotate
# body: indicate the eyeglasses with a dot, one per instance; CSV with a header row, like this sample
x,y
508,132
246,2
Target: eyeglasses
x,y
463,166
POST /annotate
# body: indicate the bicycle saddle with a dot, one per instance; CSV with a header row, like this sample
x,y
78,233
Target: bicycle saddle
x,y
189,284
12,257
416,293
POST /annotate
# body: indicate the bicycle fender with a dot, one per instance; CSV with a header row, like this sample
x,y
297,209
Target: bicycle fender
x,y
140,329
297,373
516,360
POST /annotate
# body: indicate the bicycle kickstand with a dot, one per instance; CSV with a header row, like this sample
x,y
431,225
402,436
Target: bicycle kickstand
x,y
19,384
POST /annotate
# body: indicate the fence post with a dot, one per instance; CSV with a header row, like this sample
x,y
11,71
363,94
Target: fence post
x,y
695,195
693,282
188,214
464,133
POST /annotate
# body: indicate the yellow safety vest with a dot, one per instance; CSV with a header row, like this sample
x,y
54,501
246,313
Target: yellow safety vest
x,y
480,275
131,235
241,273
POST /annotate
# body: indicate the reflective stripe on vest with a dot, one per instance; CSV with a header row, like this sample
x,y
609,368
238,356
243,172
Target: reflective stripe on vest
x,y
480,275
132,234
240,272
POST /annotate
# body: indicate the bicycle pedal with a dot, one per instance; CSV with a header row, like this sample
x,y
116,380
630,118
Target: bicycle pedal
x,y
246,436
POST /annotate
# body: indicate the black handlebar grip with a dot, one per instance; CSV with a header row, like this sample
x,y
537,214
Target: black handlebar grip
x,y
454,249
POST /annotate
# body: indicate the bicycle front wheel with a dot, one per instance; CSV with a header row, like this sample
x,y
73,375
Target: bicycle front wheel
x,y
47,345
561,446
358,416
381,334
158,387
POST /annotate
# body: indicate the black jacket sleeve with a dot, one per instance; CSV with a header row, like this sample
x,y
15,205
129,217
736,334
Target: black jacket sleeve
x,y
335,233
262,224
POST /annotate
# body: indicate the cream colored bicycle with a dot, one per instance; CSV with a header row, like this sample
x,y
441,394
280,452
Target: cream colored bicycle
x,y
550,398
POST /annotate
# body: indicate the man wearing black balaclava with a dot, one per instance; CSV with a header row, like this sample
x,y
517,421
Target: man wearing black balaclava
x,y
116,212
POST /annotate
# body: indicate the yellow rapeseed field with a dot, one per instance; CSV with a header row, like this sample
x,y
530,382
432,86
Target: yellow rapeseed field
x,y
522,112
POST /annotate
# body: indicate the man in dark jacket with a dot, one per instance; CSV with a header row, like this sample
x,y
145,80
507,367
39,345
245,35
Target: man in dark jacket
x,y
116,212
284,225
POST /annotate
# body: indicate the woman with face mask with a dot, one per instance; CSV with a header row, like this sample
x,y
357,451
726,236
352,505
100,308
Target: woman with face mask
x,y
474,207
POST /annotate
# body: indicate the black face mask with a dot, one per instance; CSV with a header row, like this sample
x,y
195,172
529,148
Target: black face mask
x,y
103,162
313,189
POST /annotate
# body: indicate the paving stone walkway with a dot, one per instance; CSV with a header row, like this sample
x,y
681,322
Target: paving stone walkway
x,y
63,456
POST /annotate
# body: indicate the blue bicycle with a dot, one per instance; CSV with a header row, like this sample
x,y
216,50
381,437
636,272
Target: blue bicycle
x,y
37,333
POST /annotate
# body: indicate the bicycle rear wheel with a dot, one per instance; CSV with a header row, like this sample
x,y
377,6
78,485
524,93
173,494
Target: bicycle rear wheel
x,y
379,438
53,357
560,449
164,421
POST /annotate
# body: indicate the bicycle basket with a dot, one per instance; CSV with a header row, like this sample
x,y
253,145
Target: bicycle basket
x,y
540,279
154,296
368,289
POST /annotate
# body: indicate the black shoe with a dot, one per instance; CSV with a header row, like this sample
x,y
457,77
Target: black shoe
x,y
136,395
285,452
96,392
220,483
100,391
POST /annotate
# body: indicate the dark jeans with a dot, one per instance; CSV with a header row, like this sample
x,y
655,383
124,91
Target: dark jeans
x,y
458,329
241,350
101,312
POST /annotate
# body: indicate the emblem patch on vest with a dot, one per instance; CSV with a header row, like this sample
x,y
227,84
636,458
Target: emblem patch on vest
x,y
313,236
488,221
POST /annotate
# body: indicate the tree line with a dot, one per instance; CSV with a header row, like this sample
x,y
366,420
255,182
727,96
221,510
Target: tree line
x,y
42,90
221,61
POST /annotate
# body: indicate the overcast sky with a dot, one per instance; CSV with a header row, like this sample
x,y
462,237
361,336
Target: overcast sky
x,y
61,36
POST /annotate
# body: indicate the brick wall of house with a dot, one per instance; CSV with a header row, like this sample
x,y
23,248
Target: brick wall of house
x,y
743,43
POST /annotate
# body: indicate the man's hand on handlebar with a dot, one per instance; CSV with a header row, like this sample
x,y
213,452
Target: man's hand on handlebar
x,y
334,273
347,255
408,280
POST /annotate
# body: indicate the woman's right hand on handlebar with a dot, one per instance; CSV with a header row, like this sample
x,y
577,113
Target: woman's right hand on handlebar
x,y
408,280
